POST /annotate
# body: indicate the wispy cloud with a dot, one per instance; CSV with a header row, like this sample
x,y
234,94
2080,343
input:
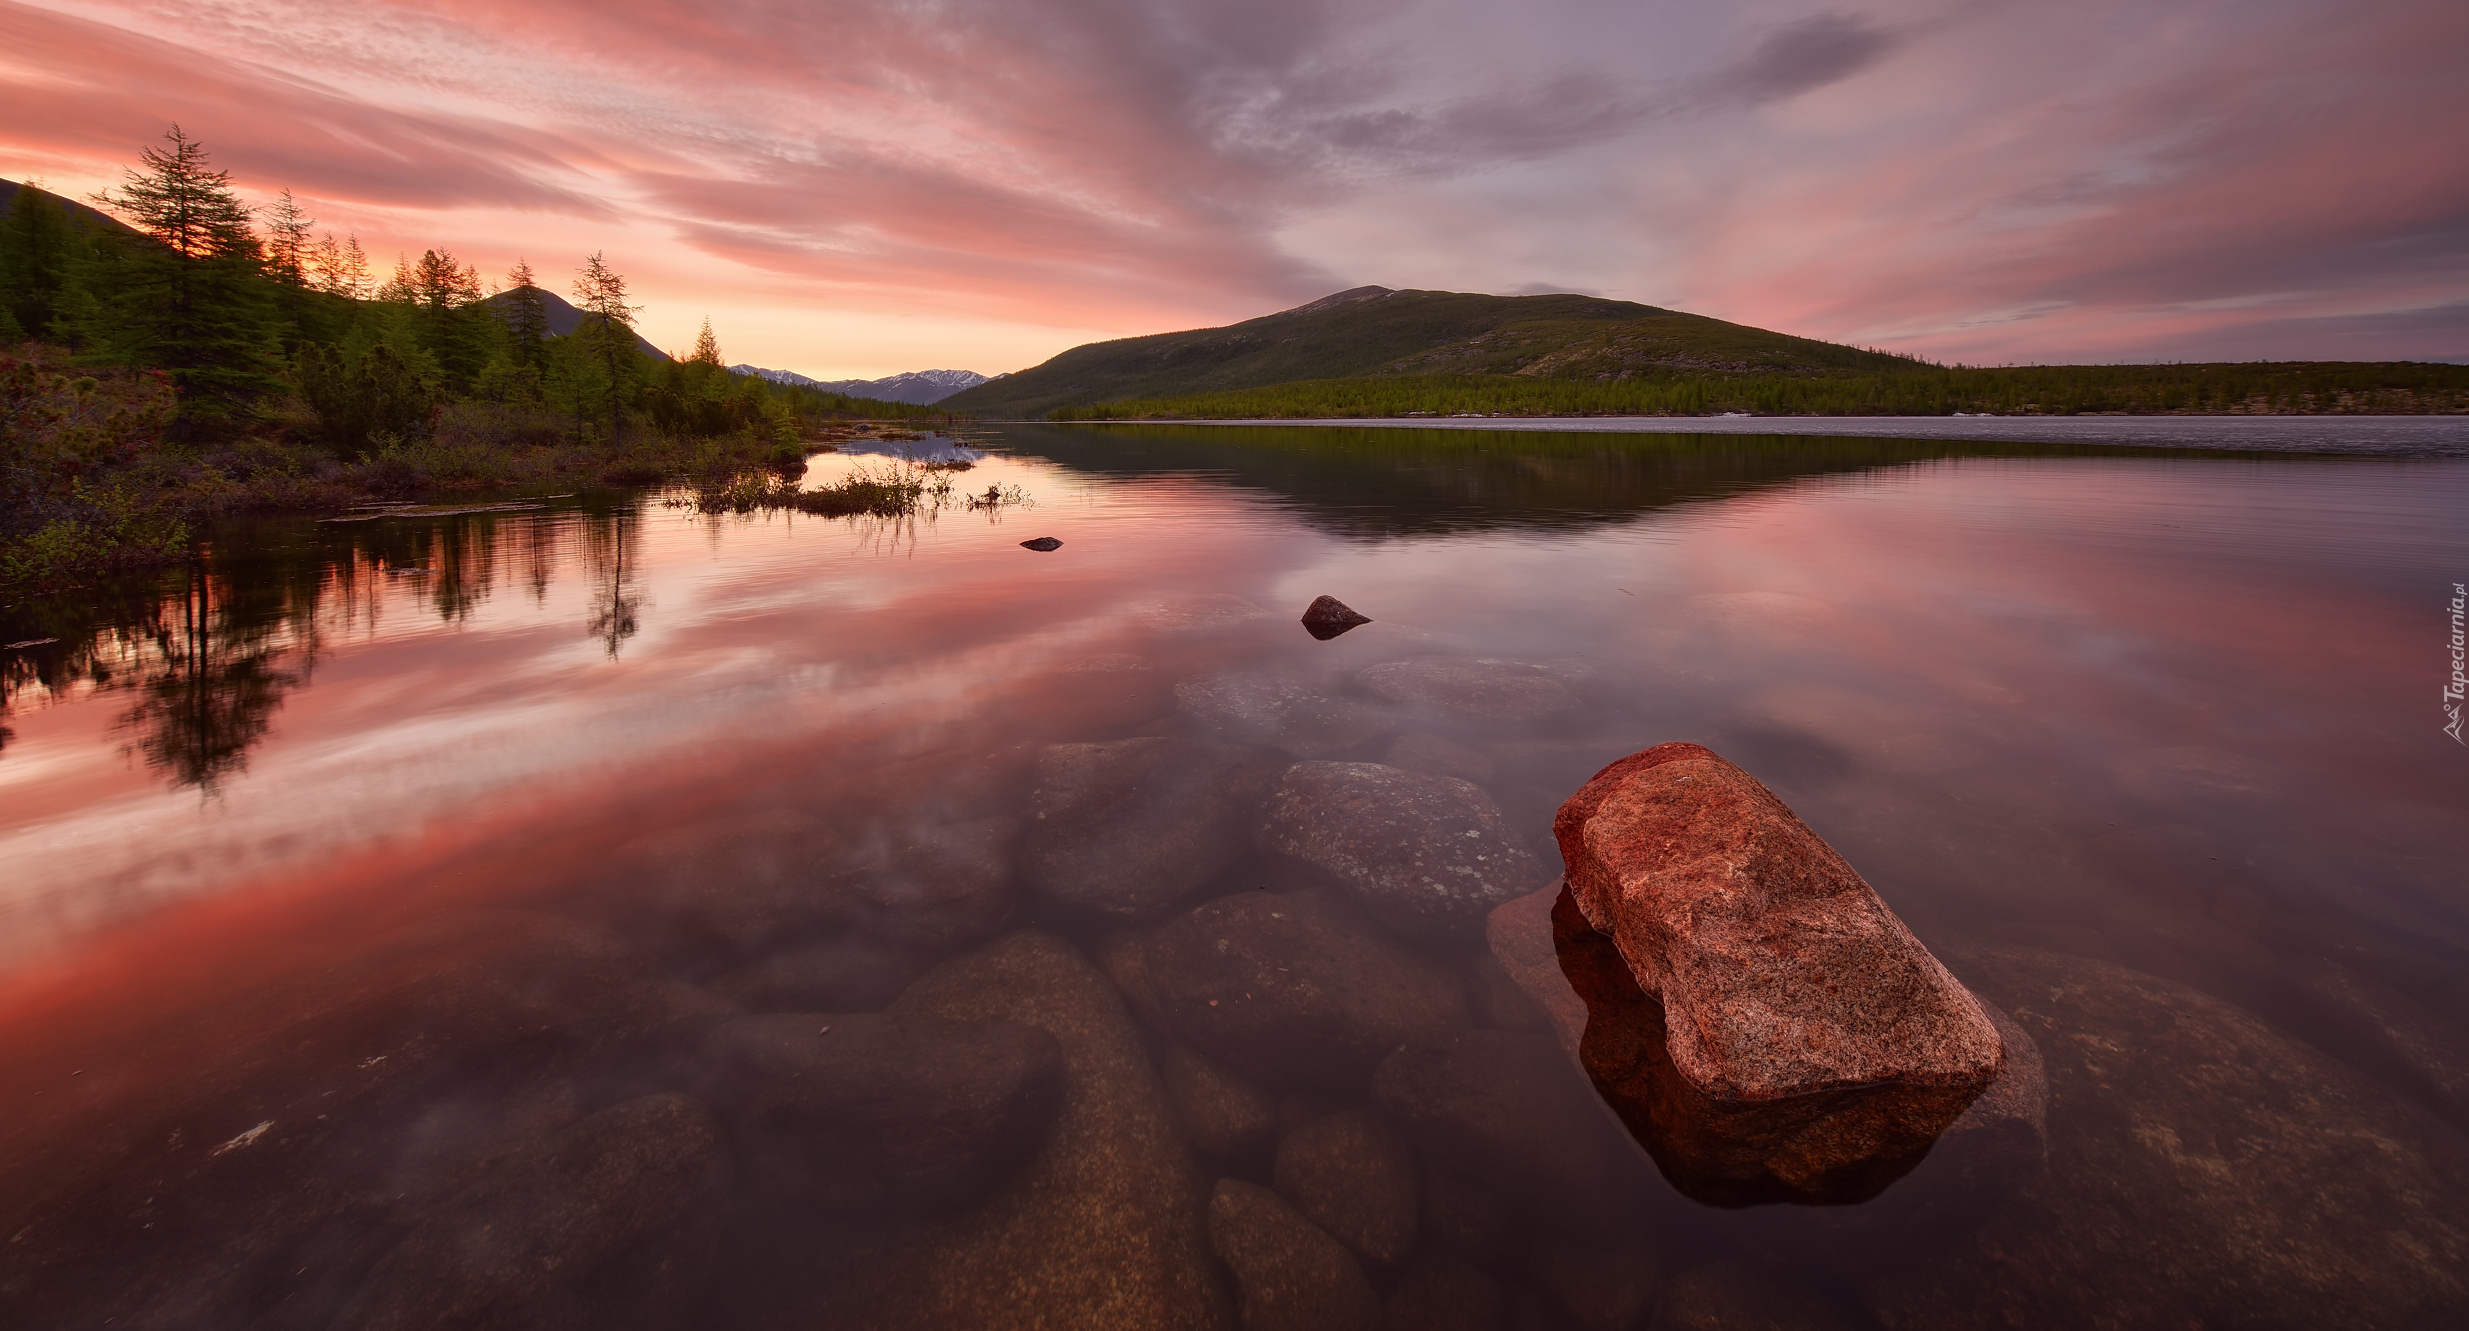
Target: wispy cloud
x,y
857,186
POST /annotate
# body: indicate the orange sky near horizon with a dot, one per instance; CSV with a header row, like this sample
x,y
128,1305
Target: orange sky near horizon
x,y
854,190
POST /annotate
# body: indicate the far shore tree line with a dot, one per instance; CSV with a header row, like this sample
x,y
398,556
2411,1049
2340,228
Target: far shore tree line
x,y
206,357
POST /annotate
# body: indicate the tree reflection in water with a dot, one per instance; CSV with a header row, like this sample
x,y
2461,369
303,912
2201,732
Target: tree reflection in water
x,y
219,670
211,650
610,546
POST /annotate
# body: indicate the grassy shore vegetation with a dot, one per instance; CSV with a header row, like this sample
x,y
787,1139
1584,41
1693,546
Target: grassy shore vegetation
x,y
2264,388
202,358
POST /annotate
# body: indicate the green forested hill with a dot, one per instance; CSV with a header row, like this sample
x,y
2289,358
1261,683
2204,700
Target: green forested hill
x,y
1374,352
1373,332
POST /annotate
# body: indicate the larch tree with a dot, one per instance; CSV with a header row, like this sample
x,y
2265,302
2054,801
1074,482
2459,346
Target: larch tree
x,y
191,302
706,347
526,312
288,250
342,269
608,333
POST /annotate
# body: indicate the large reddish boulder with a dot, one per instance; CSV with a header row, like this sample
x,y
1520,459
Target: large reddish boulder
x,y
1786,1036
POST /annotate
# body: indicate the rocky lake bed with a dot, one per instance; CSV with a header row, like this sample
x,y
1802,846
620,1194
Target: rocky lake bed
x,y
1095,951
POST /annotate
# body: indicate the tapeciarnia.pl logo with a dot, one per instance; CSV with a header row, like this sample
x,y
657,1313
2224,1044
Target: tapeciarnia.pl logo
x,y
2459,684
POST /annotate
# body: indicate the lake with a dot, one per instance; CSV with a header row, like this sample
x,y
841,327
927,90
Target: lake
x,y
592,912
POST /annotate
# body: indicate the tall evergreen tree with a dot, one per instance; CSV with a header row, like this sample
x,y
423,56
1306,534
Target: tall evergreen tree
x,y
192,301
38,248
526,313
450,325
340,269
288,254
288,250
608,333
706,347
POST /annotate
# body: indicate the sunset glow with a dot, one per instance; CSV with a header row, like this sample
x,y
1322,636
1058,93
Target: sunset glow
x,y
851,189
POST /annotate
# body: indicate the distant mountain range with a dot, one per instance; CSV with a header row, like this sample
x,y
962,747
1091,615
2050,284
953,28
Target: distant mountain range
x,y
918,387
1377,333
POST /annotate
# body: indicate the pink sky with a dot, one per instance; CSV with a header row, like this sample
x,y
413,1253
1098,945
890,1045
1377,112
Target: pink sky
x,y
854,189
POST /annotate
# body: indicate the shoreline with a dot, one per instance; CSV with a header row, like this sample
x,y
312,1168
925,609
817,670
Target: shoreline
x,y
2415,436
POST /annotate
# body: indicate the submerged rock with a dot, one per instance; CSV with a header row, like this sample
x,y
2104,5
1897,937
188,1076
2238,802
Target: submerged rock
x,y
2424,1048
871,1112
302,1130
1443,1292
737,884
1428,856
614,1224
1488,690
1762,1020
1506,1109
1289,1275
1103,1226
1469,1221
1524,941
1277,711
1434,756
1354,1176
1286,989
2202,1170
1733,1296
1596,1286
851,973
1125,827
1326,617
933,884
1222,1114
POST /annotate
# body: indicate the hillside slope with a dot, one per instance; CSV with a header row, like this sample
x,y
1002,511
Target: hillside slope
x,y
564,318
76,212
1377,332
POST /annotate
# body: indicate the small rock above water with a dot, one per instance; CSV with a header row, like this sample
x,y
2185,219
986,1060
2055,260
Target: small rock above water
x,y
1484,689
1042,543
1284,712
870,1111
1810,1038
613,1223
1326,617
1289,1274
1286,989
1125,827
1429,856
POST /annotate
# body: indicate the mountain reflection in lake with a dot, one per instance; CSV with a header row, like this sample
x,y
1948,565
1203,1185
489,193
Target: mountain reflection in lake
x,y
609,916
